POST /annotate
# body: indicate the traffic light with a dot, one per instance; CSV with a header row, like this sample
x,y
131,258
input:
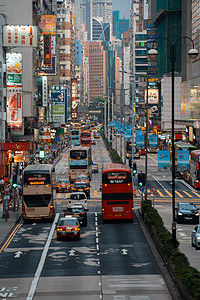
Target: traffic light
x,y
134,169
110,138
14,180
141,179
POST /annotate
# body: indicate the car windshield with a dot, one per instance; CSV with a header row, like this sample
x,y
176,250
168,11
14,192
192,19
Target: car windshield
x,y
187,206
75,210
66,181
198,229
68,222
82,177
77,197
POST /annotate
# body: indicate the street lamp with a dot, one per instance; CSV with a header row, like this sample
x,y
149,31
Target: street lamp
x,y
153,54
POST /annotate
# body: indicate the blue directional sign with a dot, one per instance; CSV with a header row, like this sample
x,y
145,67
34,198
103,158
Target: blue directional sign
x,y
183,160
111,123
163,159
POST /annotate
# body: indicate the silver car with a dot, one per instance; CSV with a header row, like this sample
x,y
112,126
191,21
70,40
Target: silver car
x,y
196,237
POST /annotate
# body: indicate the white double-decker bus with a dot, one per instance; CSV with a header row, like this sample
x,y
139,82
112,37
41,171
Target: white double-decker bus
x,y
38,192
80,162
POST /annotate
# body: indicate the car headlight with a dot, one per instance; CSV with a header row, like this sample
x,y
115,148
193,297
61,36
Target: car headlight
x,y
198,238
197,214
180,213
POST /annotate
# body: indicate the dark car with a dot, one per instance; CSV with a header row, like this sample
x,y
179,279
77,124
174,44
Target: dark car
x,y
63,185
68,227
93,142
77,211
81,186
187,212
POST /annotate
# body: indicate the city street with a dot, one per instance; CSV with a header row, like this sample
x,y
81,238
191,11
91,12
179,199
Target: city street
x,y
110,260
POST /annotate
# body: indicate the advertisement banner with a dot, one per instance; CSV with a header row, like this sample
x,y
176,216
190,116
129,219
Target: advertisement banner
x,y
48,25
139,141
58,109
48,69
19,35
152,96
153,141
74,103
183,160
14,68
58,94
14,107
164,159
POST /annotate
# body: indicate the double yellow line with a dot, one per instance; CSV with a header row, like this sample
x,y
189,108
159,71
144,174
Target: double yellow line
x,y
11,236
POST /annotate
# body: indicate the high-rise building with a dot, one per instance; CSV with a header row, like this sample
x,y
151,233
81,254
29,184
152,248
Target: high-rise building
x,y
123,26
98,10
116,24
97,69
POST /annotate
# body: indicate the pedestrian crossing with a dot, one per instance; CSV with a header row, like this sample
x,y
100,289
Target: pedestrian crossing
x,y
190,194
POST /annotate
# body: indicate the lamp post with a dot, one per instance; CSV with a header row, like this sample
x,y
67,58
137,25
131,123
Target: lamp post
x,y
146,144
153,54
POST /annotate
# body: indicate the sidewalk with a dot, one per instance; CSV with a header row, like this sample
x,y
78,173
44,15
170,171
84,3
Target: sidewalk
x,y
6,226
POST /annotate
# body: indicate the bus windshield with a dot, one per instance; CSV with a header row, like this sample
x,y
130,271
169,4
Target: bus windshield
x,y
78,154
37,200
75,132
85,134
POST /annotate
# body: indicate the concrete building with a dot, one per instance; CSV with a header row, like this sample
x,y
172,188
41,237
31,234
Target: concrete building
x,y
97,69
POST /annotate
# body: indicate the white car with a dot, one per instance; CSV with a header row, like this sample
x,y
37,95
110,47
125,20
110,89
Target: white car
x,y
196,237
77,198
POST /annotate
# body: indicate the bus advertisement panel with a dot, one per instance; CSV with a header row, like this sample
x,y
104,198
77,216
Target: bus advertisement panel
x,y
80,162
163,159
194,173
38,192
153,142
117,192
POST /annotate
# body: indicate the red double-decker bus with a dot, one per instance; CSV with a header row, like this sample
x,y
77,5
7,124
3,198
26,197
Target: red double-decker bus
x,y
85,139
194,173
117,192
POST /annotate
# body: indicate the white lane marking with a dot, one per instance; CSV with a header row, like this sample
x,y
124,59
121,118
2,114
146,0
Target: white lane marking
x,y
42,261
97,240
18,254
124,251
187,185
152,158
71,252
158,182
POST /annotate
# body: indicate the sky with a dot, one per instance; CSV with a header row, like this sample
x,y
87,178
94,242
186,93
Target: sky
x,y
124,7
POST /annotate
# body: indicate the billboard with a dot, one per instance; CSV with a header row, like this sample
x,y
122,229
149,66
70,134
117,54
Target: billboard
x,y
14,68
163,159
183,160
14,91
19,35
58,94
48,25
152,96
74,103
14,108
48,69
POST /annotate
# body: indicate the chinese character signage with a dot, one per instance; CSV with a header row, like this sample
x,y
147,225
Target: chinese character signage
x,y
150,23
47,49
48,69
14,107
44,91
48,25
19,35
14,90
58,94
74,103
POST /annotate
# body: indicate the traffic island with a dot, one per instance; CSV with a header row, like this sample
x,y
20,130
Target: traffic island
x,y
187,278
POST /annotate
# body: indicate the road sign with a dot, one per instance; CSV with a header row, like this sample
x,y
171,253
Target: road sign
x,y
153,191
141,189
134,179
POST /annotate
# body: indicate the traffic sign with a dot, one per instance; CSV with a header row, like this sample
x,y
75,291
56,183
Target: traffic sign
x,y
153,191
134,179
141,189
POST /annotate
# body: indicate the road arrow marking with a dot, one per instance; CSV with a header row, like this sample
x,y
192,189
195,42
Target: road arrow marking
x,y
17,254
71,252
124,251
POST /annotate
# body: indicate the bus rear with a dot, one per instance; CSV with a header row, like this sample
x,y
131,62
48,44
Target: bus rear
x,y
38,192
117,193
194,173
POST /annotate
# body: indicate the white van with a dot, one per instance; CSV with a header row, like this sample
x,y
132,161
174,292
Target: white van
x,y
77,198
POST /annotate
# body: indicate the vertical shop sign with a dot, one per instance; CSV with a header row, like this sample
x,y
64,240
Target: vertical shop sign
x,y
14,90
44,91
74,100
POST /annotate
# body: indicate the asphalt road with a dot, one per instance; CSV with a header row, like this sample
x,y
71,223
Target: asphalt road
x,y
110,261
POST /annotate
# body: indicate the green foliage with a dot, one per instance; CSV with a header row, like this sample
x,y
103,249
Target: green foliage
x,y
189,277
114,155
